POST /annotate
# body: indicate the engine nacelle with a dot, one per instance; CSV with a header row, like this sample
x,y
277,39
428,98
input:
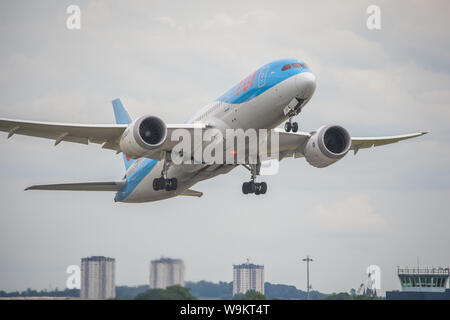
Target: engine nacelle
x,y
143,135
327,145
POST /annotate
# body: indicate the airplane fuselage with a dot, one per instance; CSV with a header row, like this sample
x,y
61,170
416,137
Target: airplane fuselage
x,y
260,101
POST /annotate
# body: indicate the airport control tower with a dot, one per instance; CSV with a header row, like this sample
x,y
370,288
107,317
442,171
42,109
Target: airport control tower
x,y
422,284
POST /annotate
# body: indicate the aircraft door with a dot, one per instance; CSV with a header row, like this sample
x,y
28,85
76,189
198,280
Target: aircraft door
x,y
262,74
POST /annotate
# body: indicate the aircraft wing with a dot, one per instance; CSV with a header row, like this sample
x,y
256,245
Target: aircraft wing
x,y
107,135
363,143
292,144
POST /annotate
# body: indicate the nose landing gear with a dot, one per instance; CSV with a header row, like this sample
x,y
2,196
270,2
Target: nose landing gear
x,y
292,112
288,126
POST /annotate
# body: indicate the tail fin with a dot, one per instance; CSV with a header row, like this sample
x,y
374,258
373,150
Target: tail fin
x,y
122,117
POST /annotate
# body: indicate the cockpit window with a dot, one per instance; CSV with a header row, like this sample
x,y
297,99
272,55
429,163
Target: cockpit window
x,y
286,67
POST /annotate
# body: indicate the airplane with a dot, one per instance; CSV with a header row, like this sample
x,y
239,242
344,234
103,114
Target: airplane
x,y
274,93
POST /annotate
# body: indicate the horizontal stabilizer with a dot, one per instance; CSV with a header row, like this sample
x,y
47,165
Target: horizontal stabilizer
x,y
88,186
192,193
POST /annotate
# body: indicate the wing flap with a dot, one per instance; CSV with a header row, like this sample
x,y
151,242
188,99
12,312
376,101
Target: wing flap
x,y
87,186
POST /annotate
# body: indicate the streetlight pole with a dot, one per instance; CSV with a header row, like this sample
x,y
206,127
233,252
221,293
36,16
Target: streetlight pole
x,y
308,260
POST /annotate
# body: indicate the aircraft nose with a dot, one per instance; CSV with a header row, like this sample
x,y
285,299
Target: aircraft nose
x,y
305,83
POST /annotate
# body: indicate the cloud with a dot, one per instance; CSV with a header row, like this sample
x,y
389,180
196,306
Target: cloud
x,y
353,214
165,20
225,20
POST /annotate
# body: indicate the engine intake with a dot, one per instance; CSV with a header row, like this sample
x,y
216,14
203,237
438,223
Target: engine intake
x,y
143,135
152,131
327,145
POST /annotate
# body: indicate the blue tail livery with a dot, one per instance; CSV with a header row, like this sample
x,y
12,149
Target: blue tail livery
x,y
122,117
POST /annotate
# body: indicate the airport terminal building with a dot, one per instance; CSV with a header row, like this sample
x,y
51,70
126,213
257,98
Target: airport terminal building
x,y
422,284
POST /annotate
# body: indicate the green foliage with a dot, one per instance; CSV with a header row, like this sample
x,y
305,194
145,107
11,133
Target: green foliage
x,y
42,293
171,293
205,289
346,296
224,291
129,293
250,295
286,292
339,296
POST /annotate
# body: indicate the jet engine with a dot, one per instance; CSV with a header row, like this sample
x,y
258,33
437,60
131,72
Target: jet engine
x,y
327,145
142,136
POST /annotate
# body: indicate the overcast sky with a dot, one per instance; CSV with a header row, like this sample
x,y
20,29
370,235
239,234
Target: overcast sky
x,y
385,206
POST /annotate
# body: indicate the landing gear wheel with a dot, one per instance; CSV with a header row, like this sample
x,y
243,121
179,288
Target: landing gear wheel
x,y
263,187
174,183
256,188
168,185
287,127
294,127
171,184
159,184
165,184
245,188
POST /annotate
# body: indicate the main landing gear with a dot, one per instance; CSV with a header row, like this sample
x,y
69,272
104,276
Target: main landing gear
x,y
163,183
252,186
